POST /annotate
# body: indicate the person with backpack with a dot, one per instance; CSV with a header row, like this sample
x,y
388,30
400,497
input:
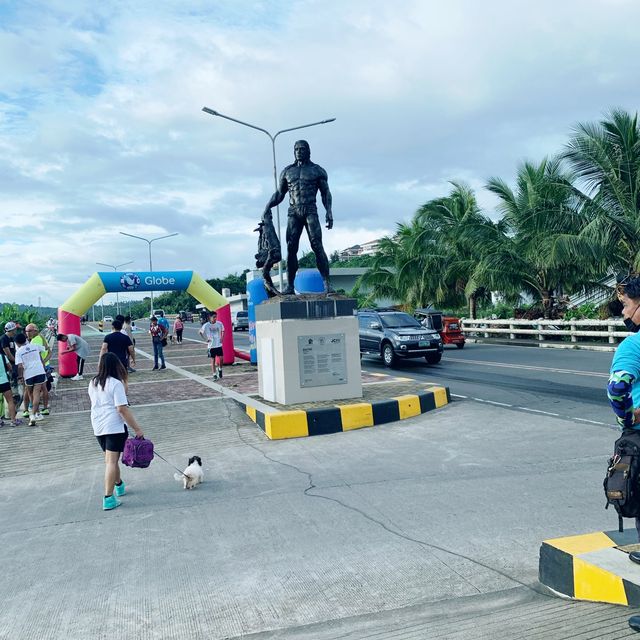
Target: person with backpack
x,y
623,391
622,481
110,417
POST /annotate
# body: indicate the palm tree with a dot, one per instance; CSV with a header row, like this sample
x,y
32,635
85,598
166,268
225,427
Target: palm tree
x,y
430,260
549,244
464,235
400,271
606,160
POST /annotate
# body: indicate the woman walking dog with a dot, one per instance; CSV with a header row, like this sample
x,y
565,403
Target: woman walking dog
x,y
110,415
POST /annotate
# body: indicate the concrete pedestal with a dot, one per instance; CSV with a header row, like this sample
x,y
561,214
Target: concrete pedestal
x,y
308,349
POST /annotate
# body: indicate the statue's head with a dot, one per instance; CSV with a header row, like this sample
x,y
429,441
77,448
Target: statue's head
x,y
301,151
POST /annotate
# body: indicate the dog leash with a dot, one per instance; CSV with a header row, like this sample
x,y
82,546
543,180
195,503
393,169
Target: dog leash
x,y
182,473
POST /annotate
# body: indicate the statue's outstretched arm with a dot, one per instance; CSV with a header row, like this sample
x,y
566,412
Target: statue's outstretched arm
x,y
325,194
277,197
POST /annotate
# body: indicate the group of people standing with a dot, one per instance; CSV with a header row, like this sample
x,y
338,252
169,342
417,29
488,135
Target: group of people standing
x,y
25,357
24,363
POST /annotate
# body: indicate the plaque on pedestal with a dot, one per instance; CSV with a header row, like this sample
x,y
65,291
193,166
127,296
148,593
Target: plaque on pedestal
x,y
308,349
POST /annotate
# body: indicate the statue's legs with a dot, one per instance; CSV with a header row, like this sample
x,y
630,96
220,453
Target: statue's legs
x,y
315,238
295,225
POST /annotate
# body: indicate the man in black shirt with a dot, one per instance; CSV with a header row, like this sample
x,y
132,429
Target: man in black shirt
x,y
8,347
119,344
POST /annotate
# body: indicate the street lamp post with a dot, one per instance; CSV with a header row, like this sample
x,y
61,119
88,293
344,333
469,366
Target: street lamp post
x,y
149,241
273,150
115,267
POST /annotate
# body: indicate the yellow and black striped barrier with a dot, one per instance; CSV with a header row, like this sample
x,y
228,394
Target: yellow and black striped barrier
x,y
319,421
592,566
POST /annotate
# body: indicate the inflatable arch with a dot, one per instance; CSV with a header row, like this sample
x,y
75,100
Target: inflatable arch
x,y
70,312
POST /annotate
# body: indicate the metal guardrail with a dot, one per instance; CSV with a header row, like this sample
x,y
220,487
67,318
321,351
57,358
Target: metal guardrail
x,y
573,331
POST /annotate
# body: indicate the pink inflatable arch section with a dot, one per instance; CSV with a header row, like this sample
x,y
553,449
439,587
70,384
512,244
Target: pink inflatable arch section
x,y
228,351
67,362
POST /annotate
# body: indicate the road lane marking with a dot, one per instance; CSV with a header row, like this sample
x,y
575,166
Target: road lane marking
x,y
529,367
499,404
528,409
546,413
603,424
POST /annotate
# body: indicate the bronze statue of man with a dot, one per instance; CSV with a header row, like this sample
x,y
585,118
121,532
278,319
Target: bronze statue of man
x,y
303,179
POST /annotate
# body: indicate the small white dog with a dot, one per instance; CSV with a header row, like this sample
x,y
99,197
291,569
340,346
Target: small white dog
x,y
193,474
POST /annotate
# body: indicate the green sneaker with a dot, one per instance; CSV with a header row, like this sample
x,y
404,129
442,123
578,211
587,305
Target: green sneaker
x,y
25,414
110,503
45,412
120,489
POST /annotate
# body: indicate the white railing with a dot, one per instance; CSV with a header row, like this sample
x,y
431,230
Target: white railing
x,y
609,331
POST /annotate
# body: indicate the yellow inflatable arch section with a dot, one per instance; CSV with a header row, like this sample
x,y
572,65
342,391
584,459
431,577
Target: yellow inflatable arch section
x,y
132,282
74,307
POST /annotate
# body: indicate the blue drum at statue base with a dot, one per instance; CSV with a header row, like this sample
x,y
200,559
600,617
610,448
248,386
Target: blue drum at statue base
x,y
308,281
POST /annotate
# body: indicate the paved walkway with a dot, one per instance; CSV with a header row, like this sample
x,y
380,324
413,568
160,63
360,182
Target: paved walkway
x,y
427,528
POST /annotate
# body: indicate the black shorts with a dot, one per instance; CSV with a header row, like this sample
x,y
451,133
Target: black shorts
x,y
6,386
113,441
215,351
31,382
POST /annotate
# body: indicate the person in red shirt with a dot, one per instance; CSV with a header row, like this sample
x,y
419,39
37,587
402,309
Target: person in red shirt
x,y
158,336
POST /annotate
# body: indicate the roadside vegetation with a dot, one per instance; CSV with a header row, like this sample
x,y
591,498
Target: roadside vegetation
x,y
568,224
21,314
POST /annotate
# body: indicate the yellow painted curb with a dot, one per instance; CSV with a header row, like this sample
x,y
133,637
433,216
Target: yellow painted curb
x,y
356,416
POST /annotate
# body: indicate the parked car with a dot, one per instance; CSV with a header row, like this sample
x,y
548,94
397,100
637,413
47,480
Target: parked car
x,y
158,313
393,335
241,321
107,319
185,316
449,327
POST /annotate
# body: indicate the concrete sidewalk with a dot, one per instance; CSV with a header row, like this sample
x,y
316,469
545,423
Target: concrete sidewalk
x,y
425,528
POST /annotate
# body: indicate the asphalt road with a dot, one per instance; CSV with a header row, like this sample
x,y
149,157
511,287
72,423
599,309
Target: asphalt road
x,y
566,383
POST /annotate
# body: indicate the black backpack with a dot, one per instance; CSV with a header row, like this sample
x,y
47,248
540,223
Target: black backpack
x,y
622,482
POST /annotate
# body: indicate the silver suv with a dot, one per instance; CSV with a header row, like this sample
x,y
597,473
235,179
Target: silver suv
x,y
241,322
393,334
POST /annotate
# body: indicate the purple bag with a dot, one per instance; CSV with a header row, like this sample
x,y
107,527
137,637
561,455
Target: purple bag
x,y
138,452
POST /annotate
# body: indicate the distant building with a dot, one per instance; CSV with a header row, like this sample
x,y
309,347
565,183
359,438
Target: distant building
x,y
365,249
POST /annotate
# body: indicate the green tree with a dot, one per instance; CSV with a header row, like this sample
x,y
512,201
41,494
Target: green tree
x,y
307,260
460,234
355,261
12,312
605,157
402,270
547,246
434,259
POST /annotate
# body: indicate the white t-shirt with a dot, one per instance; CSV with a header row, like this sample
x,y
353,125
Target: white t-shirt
x,y
213,333
104,402
28,355
83,346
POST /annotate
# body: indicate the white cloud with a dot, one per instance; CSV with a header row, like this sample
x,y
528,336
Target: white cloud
x,y
101,128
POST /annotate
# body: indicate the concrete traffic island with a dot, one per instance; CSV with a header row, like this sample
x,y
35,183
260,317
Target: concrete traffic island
x,y
310,380
593,567
387,401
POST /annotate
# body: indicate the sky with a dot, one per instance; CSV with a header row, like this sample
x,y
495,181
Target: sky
x,y
102,128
